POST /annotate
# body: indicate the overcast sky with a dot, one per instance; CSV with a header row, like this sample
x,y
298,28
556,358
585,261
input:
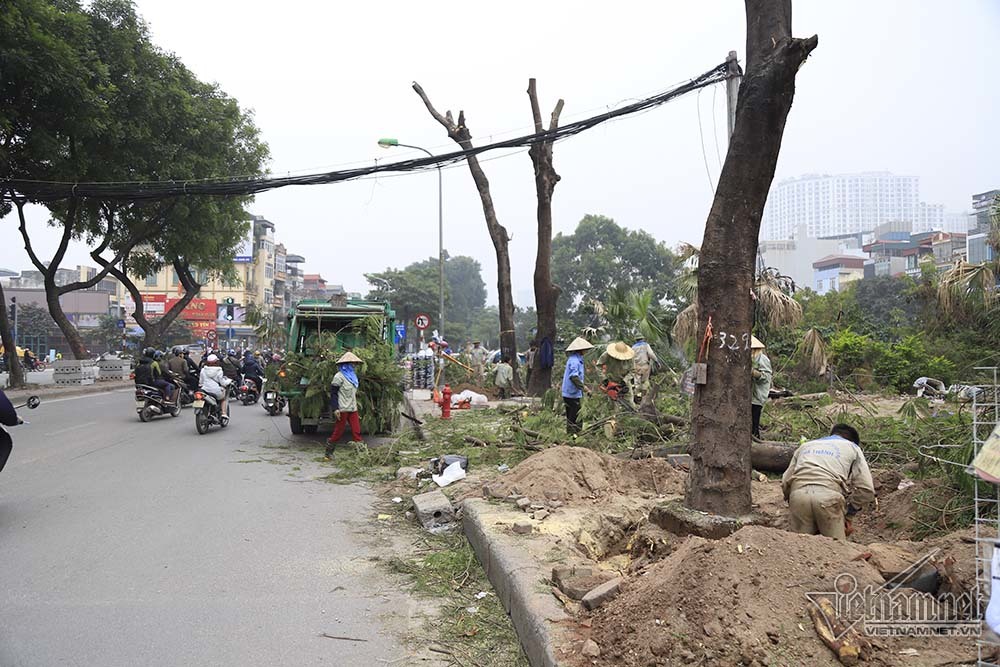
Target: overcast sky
x,y
908,87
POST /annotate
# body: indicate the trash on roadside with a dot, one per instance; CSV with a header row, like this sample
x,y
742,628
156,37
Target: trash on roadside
x,y
481,594
503,467
384,517
469,396
452,473
439,464
905,484
472,610
397,499
435,511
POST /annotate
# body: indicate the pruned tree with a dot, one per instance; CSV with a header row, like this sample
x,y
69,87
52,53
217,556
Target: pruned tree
x,y
720,451
546,293
460,134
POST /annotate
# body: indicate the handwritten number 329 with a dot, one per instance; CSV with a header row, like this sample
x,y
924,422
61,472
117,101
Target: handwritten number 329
x,y
733,341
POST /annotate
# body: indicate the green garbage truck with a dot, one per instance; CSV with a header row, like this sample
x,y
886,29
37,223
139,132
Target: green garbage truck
x,y
318,333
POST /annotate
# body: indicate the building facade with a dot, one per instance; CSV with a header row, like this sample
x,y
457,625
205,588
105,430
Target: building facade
x,y
831,273
834,205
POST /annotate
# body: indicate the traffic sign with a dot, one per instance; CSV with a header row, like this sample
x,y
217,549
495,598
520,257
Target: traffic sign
x,y
210,334
400,332
121,324
422,321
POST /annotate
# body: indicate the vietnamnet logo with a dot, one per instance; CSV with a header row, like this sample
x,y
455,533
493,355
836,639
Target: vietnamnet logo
x,y
896,610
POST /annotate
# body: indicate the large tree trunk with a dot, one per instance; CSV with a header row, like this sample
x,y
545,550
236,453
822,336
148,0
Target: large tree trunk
x,y
15,373
460,134
720,472
546,294
154,329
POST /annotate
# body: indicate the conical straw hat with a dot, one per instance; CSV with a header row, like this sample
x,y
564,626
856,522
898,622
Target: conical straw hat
x,y
621,351
349,358
579,345
755,343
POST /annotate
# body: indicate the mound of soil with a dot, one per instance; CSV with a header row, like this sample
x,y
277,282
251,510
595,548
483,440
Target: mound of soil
x,y
567,473
742,600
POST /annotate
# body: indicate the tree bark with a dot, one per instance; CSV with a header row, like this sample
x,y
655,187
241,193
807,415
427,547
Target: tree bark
x,y
460,134
15,373
546,293
720,472
154,329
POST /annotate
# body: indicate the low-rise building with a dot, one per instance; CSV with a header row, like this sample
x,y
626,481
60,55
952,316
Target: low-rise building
x,y
833,272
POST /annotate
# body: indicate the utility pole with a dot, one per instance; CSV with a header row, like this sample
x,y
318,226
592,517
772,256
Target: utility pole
x,y
733,77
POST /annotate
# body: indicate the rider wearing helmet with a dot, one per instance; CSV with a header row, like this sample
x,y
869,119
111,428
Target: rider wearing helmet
x,y
167,389
231,366
252,368
177,365
214,381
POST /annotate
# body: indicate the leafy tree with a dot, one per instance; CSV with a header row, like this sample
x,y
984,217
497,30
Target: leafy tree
x,y
141,116
108,335
601,255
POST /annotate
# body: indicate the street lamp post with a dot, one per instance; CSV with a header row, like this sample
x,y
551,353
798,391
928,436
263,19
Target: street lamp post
x,y
392,143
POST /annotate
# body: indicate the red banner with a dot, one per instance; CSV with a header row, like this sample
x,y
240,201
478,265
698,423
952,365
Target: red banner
x,y
199,310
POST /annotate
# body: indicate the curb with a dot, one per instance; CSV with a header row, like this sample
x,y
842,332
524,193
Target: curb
x,y
517,580
86,390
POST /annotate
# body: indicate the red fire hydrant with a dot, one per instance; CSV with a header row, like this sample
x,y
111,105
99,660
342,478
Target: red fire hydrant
x,y
445,402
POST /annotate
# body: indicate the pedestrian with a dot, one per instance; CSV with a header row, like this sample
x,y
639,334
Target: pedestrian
x,y
573,383
761,383
529,362
345,388
504,378
827,482
645,358
619,365
478,355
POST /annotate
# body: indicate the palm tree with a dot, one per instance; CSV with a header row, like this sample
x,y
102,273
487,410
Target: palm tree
x,y
970,291
266,327
630,313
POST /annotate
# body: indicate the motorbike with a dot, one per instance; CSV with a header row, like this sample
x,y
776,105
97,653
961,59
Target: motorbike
x,y
6,443
274,402
187,391
207,412
248,392
149,403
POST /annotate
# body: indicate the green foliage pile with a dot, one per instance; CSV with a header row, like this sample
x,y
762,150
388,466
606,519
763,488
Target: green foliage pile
x,y
380,391
892,365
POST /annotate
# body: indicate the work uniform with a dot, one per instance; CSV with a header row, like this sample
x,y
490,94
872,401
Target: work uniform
x,y
347,405
504,378
478,355
823,476
616,370
644,360
761,387
572,391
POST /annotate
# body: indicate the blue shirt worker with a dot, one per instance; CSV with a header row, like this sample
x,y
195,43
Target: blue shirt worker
x,y
827,481
572,384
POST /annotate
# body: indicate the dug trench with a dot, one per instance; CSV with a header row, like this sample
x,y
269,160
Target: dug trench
x,y
639,595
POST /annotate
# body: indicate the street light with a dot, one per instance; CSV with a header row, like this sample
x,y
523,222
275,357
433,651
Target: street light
x,y
388,142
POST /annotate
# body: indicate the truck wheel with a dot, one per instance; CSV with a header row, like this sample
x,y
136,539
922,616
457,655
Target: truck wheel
x,y
295,424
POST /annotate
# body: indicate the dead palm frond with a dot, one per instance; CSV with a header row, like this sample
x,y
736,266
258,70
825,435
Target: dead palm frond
x,y
814,351
774,300
686,325
967,286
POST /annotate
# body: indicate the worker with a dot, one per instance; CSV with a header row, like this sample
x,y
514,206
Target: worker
x,y
478,355
345,387
827,482
760,369
573,383
618,360
504,378
529,361
645,357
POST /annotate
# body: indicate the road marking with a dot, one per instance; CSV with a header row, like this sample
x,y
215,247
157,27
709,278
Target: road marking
x,y
70,428
90,395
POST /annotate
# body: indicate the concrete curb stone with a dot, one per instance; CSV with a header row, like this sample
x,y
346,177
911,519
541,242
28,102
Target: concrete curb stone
x,y
517,579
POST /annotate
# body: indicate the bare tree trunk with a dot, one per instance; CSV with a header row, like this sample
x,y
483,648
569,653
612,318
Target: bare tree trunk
x,y
15,373
546,294
154,329
720,471
460,134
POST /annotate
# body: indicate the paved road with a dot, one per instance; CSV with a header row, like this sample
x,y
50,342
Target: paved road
x,y
124,543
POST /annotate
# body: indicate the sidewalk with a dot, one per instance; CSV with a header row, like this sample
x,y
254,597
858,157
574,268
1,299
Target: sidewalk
x,y
67,391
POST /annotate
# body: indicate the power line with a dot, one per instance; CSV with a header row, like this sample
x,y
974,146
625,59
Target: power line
x,y
47,191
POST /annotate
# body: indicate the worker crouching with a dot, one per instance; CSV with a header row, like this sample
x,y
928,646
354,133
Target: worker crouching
x,y
827,481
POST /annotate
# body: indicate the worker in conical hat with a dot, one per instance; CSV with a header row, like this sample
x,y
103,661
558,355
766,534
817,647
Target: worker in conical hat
x,y
618,362
344,400
572,384
760,369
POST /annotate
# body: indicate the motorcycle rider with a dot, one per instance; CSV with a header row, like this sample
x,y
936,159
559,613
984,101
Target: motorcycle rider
x,y
231,366
166,388
193,368
252,369
214,381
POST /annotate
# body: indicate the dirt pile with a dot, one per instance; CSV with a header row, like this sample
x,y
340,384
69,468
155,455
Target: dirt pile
x,y
742,600
566,473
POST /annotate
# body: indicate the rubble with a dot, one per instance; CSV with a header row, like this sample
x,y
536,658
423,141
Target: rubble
x,y
607,591
434,511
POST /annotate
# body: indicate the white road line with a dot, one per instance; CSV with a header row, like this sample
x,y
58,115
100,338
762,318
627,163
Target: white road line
x,y
70,428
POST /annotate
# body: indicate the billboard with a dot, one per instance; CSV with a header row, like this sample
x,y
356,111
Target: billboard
x,y
199,310
244,251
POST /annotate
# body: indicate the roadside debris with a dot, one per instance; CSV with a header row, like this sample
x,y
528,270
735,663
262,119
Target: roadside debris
x,y
434,511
